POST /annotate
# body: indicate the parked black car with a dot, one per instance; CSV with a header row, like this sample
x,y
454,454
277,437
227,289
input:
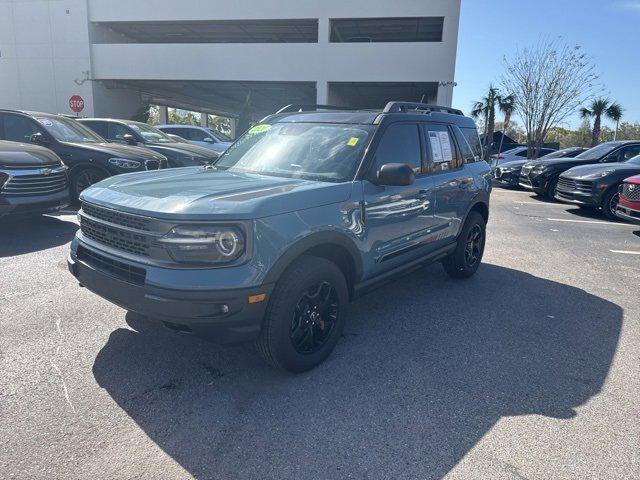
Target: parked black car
x,y
596,186
33,180
136,133
542,176
508,174
90,157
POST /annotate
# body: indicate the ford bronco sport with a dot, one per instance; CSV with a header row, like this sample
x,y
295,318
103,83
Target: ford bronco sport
x,y
307,210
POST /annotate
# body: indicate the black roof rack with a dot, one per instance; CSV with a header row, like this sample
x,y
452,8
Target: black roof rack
x,y
404,107
312,108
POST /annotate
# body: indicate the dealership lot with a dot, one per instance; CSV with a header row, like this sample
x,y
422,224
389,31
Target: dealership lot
x,y
531,369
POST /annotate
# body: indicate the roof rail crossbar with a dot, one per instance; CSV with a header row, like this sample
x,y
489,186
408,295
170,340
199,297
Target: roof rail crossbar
x,y
312,107
403,107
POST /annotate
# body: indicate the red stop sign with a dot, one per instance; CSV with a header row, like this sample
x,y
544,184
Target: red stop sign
x,y
76,103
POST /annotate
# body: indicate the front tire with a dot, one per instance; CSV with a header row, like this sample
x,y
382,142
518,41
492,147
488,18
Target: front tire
x,y
305,316
610,203
83,179
467,256
551,189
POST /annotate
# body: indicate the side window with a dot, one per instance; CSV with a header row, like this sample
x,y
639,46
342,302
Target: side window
x,y
117,132
472,138
99,127
400,144
196,134
19,129
523,153
443,154
468,154
629,152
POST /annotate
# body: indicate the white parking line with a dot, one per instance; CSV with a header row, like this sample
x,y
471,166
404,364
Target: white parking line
x,y
541,203
625,252
597,222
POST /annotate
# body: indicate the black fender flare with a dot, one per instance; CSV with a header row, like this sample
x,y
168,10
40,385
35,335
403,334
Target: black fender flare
x,y
317,239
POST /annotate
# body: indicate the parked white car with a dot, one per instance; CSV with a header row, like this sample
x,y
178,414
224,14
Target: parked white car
x,y
201,136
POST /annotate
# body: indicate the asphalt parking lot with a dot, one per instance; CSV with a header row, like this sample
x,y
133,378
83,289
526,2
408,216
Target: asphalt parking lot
x,y
531,369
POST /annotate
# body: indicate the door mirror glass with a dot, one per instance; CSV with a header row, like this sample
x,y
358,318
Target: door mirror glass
x,y
395,174
39,139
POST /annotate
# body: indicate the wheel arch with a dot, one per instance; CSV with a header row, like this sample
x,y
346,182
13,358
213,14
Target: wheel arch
x,y
330,245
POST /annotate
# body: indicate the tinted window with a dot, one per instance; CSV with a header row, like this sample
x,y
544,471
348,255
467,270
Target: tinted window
x,y
467,153
628,153
400,143
18,128
472,138
522,153
117,132
442,149
99,127
196,134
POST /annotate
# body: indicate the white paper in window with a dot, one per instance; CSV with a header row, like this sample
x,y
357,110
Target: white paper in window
x,y
436,147
445,143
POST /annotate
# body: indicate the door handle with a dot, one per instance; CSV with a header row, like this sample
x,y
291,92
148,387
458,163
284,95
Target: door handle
x,y
465,182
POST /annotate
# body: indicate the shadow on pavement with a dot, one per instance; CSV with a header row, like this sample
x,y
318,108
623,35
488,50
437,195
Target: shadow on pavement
x,y
426,367
32,234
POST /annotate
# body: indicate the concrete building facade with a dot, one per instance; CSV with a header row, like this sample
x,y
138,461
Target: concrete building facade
x,y
224,57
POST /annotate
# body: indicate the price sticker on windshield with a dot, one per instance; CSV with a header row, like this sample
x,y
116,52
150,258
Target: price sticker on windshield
x,y
260,128
353,141
46,122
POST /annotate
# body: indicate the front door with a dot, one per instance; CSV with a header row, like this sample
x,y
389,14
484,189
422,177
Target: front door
x,y
398,219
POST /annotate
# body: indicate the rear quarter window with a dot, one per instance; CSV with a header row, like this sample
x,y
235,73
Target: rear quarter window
x,y
469,143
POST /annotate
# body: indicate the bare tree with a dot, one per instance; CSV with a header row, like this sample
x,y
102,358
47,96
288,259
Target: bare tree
x,y
550,82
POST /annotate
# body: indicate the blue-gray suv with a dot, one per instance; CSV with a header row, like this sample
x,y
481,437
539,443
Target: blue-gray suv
x,y
309,209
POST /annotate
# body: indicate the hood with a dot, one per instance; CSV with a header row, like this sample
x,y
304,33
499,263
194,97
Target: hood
x,y
21,155
564,162
208,194
635,180
600,170
171,149
117,150
513,164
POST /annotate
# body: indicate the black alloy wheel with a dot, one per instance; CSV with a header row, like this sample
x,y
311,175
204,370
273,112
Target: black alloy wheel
x,y
474,246
85,178
314,318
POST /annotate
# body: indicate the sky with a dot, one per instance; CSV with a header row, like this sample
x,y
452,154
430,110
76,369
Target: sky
x,y
607,30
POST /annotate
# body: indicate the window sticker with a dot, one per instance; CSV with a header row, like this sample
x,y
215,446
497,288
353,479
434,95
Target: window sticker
x,y
436,148
445,143
46,122
135,127
259,128
353,141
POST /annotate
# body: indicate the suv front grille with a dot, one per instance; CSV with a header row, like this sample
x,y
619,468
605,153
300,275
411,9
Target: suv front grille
x,y
571,185
36,184
121,270
631,192
115,217
137,244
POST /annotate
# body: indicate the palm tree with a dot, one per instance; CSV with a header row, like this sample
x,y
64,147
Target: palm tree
x,y
486,109
599,108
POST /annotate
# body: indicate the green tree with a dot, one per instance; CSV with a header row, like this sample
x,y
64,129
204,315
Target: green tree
x,y
600,107
485,109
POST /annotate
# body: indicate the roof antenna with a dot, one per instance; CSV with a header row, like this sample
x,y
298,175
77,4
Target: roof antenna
x,y
422,99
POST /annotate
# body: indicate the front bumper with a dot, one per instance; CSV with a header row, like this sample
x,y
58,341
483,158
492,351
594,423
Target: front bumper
x,y
33,204
537,183
577,198
629,211
224,316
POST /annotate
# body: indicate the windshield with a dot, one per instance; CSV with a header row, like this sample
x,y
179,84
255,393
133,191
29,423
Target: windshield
x,y
558,154
634,160
221,137
599,151
325,152
67,130
151,134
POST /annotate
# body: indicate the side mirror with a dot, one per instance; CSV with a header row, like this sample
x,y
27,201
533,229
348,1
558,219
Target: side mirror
x,y
129,139
395,174
208,139
39,139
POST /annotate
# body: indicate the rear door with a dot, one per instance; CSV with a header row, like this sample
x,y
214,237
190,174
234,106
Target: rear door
x,y
453,184
398,219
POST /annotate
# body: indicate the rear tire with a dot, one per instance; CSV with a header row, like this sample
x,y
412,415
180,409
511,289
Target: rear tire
x,y
305,316
467,256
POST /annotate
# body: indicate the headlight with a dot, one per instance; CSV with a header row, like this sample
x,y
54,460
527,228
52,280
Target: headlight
x,y
204,243
539,169
124,163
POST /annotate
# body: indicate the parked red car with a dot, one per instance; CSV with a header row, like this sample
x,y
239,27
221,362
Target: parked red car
x,y
629,202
